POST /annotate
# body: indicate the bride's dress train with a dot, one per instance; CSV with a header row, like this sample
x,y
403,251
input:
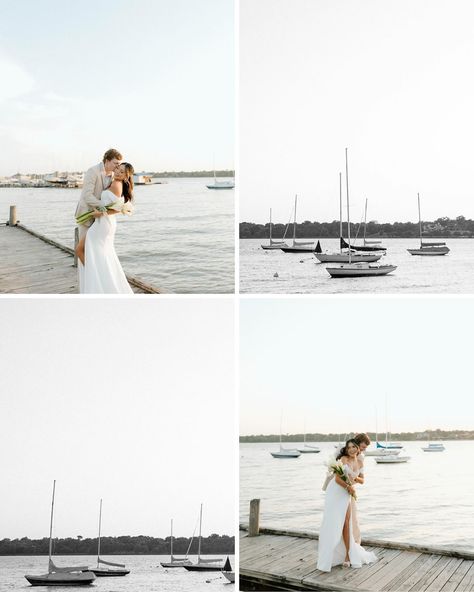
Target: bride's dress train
x,y
102,272
331,548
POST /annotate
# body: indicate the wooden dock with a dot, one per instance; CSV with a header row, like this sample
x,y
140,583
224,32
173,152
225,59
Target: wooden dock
x,y
31,263
272,559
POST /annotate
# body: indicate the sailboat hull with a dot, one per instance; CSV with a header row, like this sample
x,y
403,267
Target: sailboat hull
x,y
353,270
298,249
62,579
203,567
110,573
231,186
430,251
273,247
230,575
344,257
364,248
168,564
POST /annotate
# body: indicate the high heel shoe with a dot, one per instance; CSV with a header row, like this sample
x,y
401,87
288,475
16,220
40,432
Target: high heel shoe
x,y
346,564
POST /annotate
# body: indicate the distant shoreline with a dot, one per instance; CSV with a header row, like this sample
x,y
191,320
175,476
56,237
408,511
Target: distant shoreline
x,y
444,228
455,435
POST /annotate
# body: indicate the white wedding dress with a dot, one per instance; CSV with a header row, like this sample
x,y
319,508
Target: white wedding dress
x,y
331,548
102,272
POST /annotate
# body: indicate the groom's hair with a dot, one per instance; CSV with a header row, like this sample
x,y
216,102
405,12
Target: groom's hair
x,y
111,154
359,438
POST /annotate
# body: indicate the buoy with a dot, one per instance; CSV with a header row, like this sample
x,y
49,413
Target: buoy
x,y
276,274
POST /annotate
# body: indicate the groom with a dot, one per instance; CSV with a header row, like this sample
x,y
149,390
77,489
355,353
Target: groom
x,y
97,179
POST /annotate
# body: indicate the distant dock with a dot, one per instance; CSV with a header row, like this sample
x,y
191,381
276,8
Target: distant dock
x,y
31,263
272,559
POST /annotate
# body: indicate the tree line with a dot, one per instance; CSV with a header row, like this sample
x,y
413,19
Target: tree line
x,y
223,173
459,227
404,436
122,545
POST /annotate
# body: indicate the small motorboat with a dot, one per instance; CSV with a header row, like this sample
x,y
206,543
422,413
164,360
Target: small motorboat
x,y
391,459
347,270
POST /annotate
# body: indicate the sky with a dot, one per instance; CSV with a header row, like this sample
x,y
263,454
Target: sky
x,y
329,364
127,401
388,80
153,78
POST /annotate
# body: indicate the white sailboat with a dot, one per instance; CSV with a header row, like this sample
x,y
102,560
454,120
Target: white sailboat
x,y
61,576
391,459
298,246
356,269
380,451
285,452
273,244
204,564
390,453
308,448
343,255
220,184
102,572
431,248
177,561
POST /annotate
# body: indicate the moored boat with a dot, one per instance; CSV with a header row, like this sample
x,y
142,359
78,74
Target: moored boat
x,y
61,576
298,246
273,244
227,571
105,572
204,564
177,561
428,248
391,459
434,447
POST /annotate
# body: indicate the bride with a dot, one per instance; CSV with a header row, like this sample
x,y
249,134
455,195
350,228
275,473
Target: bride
x,y
100,271
336,537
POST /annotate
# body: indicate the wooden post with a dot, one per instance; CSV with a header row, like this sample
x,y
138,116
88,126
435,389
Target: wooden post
x,y
76,240
13,221
254,517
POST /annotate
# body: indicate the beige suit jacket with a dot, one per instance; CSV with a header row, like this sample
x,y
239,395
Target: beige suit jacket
x,y
95,181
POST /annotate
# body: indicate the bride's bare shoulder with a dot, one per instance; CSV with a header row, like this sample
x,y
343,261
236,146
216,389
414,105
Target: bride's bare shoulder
x,y
116,188
343,459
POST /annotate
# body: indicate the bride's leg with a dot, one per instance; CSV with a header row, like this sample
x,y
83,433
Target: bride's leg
x,y
80,249
346,532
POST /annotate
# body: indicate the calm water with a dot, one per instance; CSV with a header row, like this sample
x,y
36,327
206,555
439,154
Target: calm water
x,y
181,237
301,273
145,575
428,500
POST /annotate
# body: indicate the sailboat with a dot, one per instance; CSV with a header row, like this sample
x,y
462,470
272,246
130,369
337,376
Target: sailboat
x,y
298,246
176,561
285,452
390,452
433,446
343,255
220,184
102,572
367,245
381,451
352,269
307,448
204,564
273,244
227,571
61,576
432,248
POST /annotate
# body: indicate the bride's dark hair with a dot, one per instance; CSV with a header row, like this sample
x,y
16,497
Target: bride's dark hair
x,y
343,451
127,190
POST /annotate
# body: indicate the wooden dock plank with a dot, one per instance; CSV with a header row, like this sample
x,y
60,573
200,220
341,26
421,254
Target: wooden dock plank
x,y
33,264
291,565
457,577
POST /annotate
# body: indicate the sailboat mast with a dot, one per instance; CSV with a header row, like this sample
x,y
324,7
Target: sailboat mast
x,y
294,223
340,213
270,225
100,525
365,220
348,216
51,526
200,525
419,219
171,540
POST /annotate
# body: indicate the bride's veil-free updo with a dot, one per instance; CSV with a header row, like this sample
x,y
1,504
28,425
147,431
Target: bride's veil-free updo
x,y
127,190
343,451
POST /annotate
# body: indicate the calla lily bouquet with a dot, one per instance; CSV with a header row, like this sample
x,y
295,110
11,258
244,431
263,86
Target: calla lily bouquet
x,y
337,468
118,206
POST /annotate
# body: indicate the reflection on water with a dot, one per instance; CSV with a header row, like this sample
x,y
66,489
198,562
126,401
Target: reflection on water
x,y
428,500
302,274
181,237
146,574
